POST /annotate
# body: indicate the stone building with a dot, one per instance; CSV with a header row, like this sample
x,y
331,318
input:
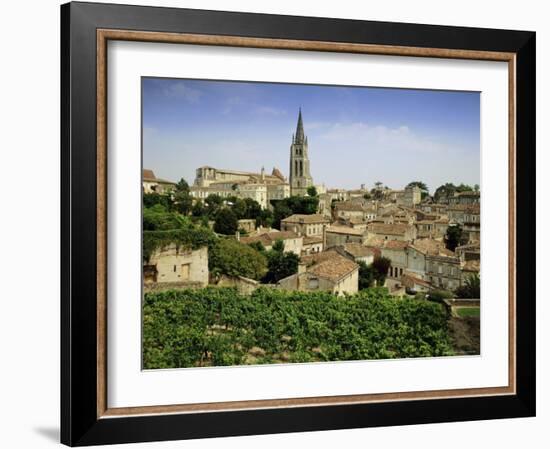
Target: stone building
x,y
152,184
226,183
409,197
300,177
173,264
340,235
357,252
312,244
396,252
444,271
306,225
326,271
396,231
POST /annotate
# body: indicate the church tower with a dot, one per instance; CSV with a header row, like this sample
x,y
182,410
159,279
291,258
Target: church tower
x,y
300,178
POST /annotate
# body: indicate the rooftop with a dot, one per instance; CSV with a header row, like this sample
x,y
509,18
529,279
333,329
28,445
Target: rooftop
x,y
303,218
329,265
344,230
390,229
358,250
431,247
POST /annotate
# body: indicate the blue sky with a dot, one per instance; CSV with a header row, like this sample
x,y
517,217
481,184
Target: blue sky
x,y
357,135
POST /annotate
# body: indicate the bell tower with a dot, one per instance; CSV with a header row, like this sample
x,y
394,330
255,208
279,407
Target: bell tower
x,y
300,178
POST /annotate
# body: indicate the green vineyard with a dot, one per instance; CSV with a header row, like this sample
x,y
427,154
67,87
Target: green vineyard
x,y
219,327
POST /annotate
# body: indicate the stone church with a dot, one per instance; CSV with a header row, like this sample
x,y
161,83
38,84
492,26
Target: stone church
x,y
300,178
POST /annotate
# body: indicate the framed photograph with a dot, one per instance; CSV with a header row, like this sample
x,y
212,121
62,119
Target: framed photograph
x,y
281,224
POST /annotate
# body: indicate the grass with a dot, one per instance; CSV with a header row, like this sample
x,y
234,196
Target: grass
x,y
464,312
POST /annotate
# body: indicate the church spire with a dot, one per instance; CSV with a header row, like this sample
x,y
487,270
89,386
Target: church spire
x,y
300,128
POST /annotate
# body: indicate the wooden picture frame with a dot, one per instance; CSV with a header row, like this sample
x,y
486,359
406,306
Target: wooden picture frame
x,y
86,29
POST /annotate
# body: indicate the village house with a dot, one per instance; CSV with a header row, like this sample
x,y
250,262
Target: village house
x,y
397,231
348,210
419,250
326,271
292,241
414,284
306,225
357,252
396,252
443,271
152,184
177,265
468,197
312,244
340,235
468,252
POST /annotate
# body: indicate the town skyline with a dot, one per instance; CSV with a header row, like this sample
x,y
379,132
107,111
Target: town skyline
x,y
390,135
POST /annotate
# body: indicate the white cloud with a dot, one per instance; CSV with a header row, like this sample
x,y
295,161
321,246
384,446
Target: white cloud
x,y
267,110
181,90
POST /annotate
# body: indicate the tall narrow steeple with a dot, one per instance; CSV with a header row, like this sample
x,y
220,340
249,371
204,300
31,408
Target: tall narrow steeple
x,y
300,178
299,129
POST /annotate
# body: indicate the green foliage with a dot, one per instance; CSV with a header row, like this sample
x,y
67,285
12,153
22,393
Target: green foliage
x,y
152,199
280,264
188,236
215,327
366,275
226,222
227,256
258,246
198,209
182,186
465,312
312,191
156,218
293,205
183,202
438,295
380,267
213,203
367,196
455,237
470,289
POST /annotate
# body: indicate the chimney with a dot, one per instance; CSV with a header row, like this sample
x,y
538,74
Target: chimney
x,y
238,236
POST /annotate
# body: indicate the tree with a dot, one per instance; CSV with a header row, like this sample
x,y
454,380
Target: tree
x,y
253,209
265,218
150,199
454,237
312,191
476,188
239,208
367,196
278,246
280,264
381,266
378,185
226,222
183,202
464,188
230,257
182,186
213,203
470,289
198,209
366,275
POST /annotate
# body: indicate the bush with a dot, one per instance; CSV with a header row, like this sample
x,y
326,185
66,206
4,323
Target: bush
x,y
227,256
